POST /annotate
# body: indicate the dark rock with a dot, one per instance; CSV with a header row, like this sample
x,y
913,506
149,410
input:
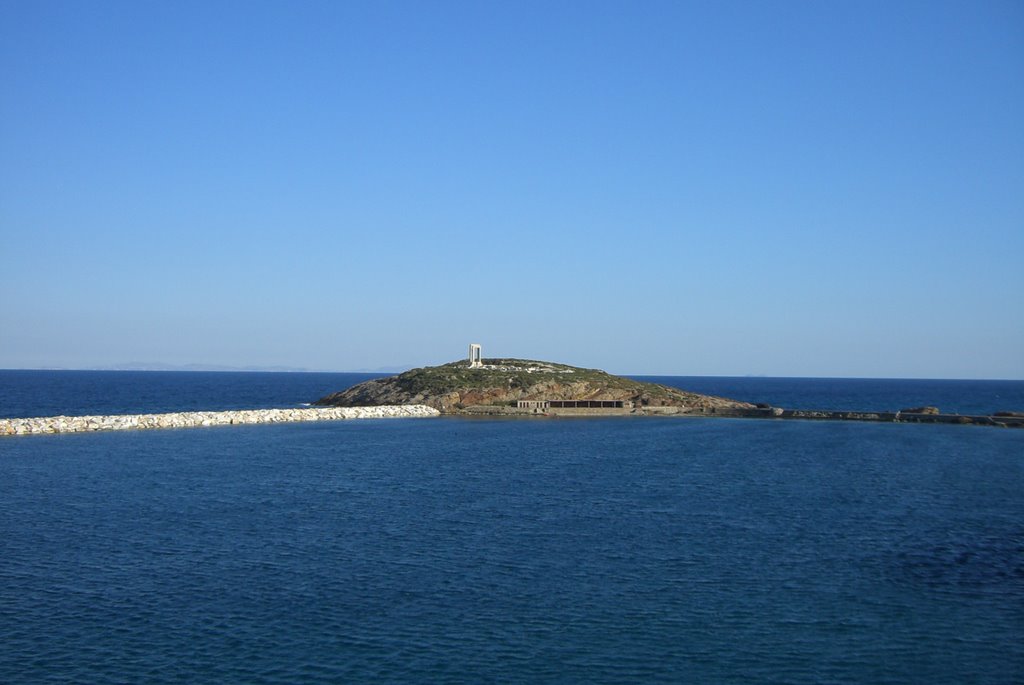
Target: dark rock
x,y
920,410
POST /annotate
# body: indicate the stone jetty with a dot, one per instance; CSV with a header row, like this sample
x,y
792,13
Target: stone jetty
x,y
1002,419
192,419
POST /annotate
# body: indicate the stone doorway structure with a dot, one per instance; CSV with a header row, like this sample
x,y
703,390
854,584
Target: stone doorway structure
x,y
476,359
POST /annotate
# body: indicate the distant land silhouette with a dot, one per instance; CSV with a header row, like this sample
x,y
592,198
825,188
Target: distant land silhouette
x,y
162,366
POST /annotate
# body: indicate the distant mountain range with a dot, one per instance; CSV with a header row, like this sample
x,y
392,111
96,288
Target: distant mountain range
x,y
160,366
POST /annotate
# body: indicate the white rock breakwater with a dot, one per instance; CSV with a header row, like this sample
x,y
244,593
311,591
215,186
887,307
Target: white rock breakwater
x,y
191,419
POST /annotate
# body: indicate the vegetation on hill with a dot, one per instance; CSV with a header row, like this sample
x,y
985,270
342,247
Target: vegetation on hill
x,y
455,386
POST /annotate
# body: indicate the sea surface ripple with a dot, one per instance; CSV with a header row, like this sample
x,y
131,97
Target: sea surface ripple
x,y
480,550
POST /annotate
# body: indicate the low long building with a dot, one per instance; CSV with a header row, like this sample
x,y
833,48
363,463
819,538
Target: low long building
x,y
544,405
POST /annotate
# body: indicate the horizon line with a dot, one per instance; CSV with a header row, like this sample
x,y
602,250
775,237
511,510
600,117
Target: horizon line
x,y
213,368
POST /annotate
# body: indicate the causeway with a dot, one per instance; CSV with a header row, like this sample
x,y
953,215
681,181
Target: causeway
x,y
193,419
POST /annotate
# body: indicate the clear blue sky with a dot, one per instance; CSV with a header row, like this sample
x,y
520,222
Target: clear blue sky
x,y
778,188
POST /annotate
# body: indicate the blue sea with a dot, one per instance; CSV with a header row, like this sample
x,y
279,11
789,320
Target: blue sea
x,y
470,550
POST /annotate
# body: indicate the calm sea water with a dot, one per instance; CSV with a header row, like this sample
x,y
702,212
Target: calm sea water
x,y
864,394
478,550
76,393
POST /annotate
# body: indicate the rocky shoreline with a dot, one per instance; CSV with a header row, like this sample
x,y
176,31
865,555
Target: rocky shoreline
x,y
193,419
918,415
83,424
999,419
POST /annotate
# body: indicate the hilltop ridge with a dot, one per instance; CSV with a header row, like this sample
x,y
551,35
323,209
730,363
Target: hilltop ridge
x,y
500,384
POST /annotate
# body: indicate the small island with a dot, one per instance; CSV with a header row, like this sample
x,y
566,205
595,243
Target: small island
x,y
525,387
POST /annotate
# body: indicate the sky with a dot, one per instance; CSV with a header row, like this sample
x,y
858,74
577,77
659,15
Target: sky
x,y
779,188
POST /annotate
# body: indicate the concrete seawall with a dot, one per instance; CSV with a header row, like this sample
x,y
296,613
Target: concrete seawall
x,y
191,419
1004,421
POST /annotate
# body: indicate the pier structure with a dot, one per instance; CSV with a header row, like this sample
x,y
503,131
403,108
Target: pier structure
x,y
195,419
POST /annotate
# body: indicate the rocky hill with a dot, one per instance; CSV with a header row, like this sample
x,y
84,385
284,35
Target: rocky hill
x,y
456,388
